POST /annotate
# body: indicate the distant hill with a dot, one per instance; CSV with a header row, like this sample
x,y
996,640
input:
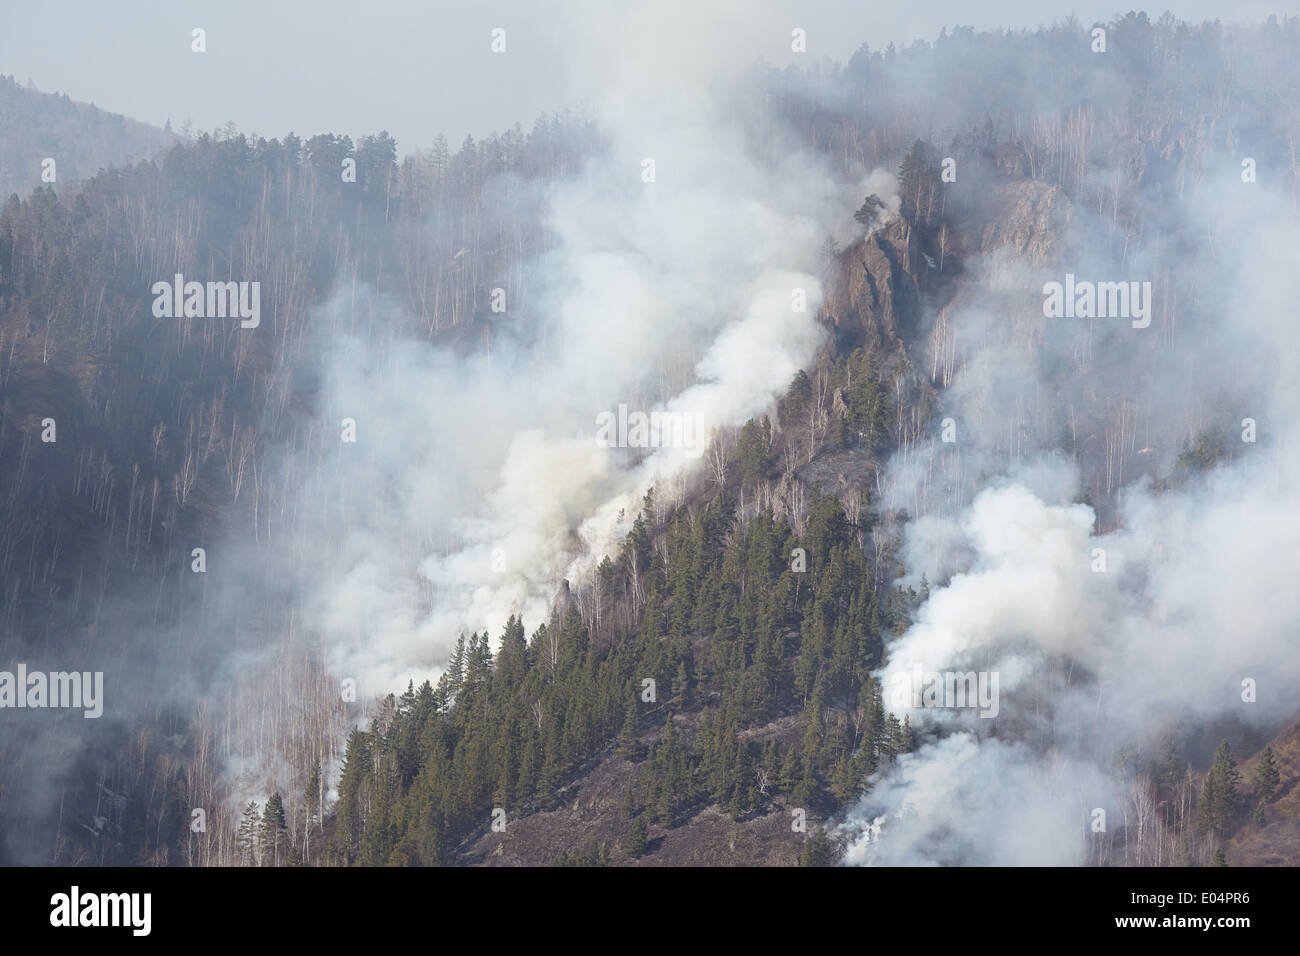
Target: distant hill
x,y
79,137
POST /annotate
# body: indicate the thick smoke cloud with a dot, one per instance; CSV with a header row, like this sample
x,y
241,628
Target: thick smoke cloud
x,y
476,486
1195,596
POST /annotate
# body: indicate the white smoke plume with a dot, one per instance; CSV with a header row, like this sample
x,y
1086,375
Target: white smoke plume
x,y
476,486
1196,596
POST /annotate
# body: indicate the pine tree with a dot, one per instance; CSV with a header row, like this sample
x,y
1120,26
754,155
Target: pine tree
x,y
1172,766
682,685
891,737
871,211
634,844
272,831
547,781
1219,800
247,839
754,450
816,849
629,745
1267,776
353,783
406,703
454,676
791,770
906,741
815,724
807,791
844,782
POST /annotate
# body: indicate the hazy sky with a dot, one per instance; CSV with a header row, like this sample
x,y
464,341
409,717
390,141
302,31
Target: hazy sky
x,y
418,67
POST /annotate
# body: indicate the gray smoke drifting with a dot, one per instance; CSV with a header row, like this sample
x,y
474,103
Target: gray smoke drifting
x,y
1103,640
476,485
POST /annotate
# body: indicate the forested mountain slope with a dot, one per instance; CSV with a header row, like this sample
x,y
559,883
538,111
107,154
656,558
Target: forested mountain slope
x,y
710,693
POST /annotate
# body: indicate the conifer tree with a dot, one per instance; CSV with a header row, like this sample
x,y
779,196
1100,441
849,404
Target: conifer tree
x,y
628,744
634,844
844,780
816,849
1172,765
806,791
247,839
272,831
1219,800
906,742
354,781
682,685
1267,776
871,211
791,770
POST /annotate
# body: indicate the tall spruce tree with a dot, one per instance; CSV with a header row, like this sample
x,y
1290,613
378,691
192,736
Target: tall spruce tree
x,y
246,840
1219,798
634,844
1267,776
273,832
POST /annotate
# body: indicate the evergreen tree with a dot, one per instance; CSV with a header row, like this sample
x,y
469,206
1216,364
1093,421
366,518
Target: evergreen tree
x,y
870,212
246,840
891,738
1172,766
634,844
629,745
791,770
797,397
272,832
682,685
906,741
1267,776
844,781
807,792
754,451
353,783
1219,799
816,849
